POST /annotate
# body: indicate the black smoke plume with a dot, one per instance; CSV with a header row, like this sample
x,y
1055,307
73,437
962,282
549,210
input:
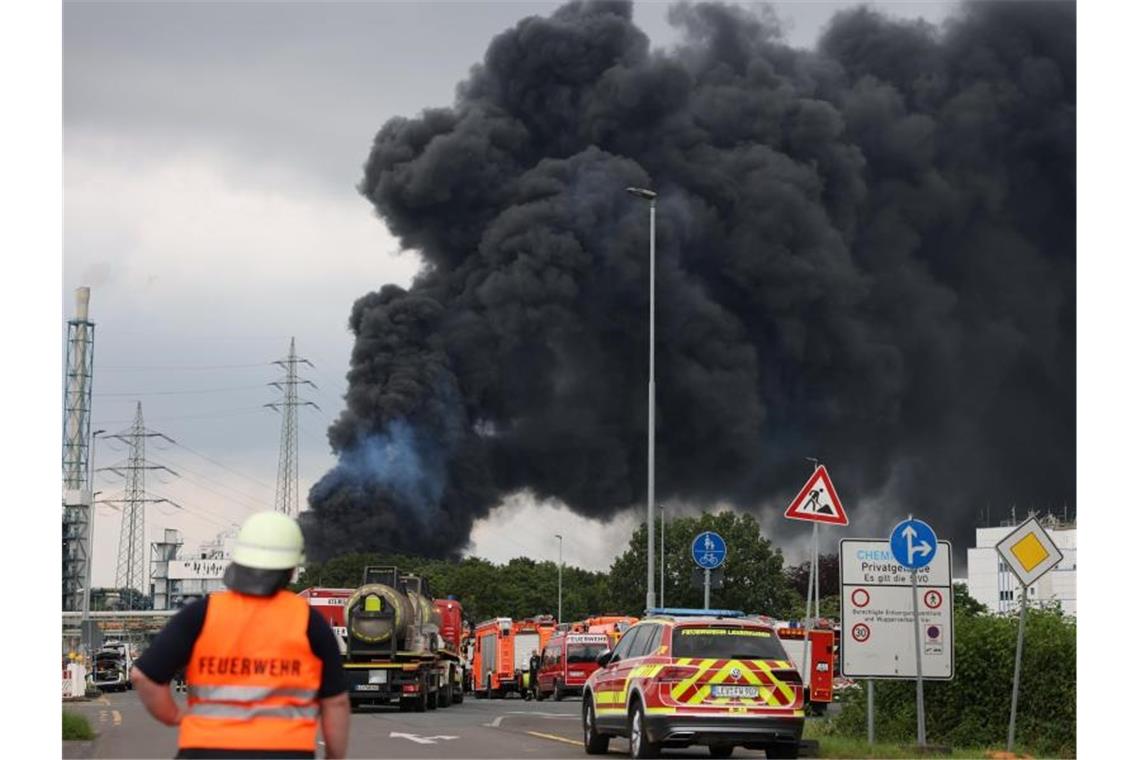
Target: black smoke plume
x,y
865,253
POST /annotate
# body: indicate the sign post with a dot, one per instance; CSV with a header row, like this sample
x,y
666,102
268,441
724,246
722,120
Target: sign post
x,y
817,503
1030,553
709,551
914,545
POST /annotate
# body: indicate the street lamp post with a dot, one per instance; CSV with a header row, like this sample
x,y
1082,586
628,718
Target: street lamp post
x,y
661,591
559,537
650,196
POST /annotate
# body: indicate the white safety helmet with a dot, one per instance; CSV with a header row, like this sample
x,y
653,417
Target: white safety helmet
x,y
269,541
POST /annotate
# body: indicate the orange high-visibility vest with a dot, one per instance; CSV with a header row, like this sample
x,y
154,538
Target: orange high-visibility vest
x,y
252,679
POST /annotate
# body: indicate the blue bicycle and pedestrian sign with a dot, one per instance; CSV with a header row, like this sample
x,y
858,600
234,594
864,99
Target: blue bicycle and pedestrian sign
x,y
914,544
709,550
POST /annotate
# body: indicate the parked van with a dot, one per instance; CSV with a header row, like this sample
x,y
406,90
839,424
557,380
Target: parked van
x,y
567,661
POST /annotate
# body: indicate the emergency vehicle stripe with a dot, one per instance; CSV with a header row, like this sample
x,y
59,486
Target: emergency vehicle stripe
x,y
247,693
608,697
213,710
687,684
764,681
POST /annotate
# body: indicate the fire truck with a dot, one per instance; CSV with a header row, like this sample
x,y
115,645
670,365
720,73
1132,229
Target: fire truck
x,y
502,650
613,626
399,645
823,662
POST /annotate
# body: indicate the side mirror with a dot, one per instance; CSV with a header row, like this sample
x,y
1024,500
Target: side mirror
x,y
605,658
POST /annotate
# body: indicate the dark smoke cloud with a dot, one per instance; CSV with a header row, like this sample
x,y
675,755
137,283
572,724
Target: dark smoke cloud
x,y
866,253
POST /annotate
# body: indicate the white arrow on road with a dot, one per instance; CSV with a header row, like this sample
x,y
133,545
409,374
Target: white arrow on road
x,y
419,739
922,548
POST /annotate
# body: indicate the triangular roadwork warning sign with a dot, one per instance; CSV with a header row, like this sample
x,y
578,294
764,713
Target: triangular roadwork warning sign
x,y
817,501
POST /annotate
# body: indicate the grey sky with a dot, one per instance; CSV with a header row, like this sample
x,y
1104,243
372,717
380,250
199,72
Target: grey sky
x,y
211,153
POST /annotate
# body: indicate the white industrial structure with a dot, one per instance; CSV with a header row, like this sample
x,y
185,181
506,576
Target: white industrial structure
x,y
993,584
180,577
76,451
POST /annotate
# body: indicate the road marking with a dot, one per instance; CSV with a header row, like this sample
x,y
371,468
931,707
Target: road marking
x,y
549,716
117,717
419,739
102,716
555,738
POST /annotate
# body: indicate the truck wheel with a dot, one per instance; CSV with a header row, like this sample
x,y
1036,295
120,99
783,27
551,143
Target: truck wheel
x,y
420,704
721,750
596,744
433,700
445,696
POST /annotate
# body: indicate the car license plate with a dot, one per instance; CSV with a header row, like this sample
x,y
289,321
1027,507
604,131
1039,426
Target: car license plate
x,y
378,676
368,687
735,691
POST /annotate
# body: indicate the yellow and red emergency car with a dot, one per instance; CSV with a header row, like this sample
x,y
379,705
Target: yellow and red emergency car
x,y
685,677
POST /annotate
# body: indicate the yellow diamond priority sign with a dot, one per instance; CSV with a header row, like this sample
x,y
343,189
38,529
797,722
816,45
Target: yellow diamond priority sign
x,y
1029,551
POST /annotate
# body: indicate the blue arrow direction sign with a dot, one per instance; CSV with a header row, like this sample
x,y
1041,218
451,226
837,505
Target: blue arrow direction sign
x,y
913,543
709,550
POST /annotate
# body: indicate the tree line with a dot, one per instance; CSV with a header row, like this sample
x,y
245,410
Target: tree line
x,y
756,578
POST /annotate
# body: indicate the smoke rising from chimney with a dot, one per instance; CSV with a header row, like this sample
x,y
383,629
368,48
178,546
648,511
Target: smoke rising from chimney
x,y
866,253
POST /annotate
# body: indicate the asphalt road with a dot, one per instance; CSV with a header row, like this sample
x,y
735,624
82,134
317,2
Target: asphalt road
x,y
499,728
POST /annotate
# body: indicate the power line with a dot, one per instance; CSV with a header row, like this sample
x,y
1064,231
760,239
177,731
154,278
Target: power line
x,y
182,392
209,415
180,367
223,466
257,504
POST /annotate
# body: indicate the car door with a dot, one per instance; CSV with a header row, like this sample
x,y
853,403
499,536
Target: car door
x,y
641,654
609,700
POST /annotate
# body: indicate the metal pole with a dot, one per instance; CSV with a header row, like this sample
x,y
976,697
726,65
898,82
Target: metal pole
x,y
815,554
870,712
661,591
652,395
559,537
708,573
918,660
806,674
1016,672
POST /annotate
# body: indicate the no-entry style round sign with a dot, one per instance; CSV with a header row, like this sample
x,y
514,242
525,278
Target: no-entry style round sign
x,y
860,597
932,599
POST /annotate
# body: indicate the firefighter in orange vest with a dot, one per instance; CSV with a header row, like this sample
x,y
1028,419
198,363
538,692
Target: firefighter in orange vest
x,y
262,668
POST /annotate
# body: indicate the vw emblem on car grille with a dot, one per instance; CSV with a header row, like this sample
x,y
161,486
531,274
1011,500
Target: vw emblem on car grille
x,y
735,674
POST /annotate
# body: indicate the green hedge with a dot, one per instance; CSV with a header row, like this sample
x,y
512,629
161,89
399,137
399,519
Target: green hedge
x,y
75,726
973,709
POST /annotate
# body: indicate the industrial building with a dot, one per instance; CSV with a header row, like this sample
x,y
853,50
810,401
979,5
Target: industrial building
x,y
993,584
178,577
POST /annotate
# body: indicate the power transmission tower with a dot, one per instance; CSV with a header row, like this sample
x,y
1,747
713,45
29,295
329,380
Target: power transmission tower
x,y
286,499
131,571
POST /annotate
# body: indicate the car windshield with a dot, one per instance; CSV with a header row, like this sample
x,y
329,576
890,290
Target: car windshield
x,y
584,652
725,643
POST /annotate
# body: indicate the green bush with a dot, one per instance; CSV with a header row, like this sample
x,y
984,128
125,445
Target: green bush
x,y
973,709
75,726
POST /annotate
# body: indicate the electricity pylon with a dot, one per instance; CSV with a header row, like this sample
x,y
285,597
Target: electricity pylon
x,y
286,499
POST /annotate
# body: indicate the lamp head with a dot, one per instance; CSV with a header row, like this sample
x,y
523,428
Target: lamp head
x,y
642,193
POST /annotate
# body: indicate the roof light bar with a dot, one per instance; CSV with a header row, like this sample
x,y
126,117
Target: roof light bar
x,y
692,612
